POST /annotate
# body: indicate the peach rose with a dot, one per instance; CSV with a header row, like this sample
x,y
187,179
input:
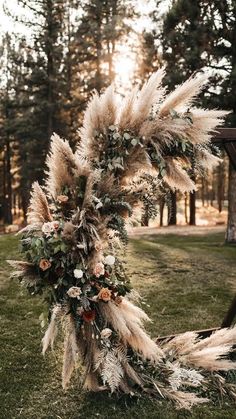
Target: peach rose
x,y
44,264
99,269
62,199
104,294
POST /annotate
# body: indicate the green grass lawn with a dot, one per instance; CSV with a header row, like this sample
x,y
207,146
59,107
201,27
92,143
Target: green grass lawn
x,y
187,283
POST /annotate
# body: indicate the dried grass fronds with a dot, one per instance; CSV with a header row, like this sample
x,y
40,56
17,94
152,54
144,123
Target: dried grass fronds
x,y
137,162
127,106
133,311
180,344
132,374
209,354
177,178
150,94
163,132
91,382
23,270
210,358
226,336
206,160
182,97
128,323
61,165
38,210
99,115
182,399
51,332
207,120
70,352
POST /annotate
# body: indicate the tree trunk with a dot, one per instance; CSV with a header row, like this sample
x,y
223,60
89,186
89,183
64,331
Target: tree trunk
x,y
192,208
162,204
231,227
172,210
220,186
145,219
186,207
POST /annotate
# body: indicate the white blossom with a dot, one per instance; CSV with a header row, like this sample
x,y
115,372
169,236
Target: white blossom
x,y
106,333
109,260
78,273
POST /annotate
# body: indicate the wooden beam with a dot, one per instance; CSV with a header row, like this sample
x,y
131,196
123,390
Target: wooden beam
x,y
225,134
226,138
201,333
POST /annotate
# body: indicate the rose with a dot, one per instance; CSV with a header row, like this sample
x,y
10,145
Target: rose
x,y
106,333
74,292
98,245
62,199
50,227
104,294
99,269
118,300
88,316
109,260
55,225
47,229
78,273
44,264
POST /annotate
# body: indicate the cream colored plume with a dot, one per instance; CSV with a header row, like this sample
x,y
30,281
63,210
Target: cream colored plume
x,y
51,332
127,320
61,165
127,108
150,95
182,97
177,178
70,352
209,353
99,115
38,211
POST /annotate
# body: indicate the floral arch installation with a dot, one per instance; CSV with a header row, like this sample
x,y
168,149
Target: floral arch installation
x,y
129,154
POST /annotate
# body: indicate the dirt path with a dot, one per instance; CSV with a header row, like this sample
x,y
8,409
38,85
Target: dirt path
x,y
179,230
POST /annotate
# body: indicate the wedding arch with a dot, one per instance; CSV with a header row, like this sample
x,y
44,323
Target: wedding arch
x,y
129,153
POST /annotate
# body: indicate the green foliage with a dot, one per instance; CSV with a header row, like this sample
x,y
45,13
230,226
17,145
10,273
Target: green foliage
x,y
197,35
29,388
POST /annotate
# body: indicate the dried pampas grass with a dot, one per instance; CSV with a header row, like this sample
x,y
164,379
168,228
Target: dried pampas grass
x,y
70,352
128,322
51,332
182,97
38,211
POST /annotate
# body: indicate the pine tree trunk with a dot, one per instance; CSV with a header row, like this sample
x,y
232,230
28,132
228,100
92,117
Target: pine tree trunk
x,y
162,204
220,186
186,207
8,180
231,227
172,213
192,208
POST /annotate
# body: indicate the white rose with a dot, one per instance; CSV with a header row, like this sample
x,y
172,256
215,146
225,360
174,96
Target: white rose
x,y
47,229
106,333
78,273
109,260
74,292
50,227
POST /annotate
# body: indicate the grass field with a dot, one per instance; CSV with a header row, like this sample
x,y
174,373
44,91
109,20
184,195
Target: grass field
x,y
187,282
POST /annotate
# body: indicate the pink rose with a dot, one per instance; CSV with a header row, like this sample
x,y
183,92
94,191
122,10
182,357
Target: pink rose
x,y
99,269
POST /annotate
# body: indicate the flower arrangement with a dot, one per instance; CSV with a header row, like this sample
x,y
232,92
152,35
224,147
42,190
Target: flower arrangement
x,y
128,156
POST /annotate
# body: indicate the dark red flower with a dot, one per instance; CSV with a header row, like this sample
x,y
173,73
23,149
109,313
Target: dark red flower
x,y
88,316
